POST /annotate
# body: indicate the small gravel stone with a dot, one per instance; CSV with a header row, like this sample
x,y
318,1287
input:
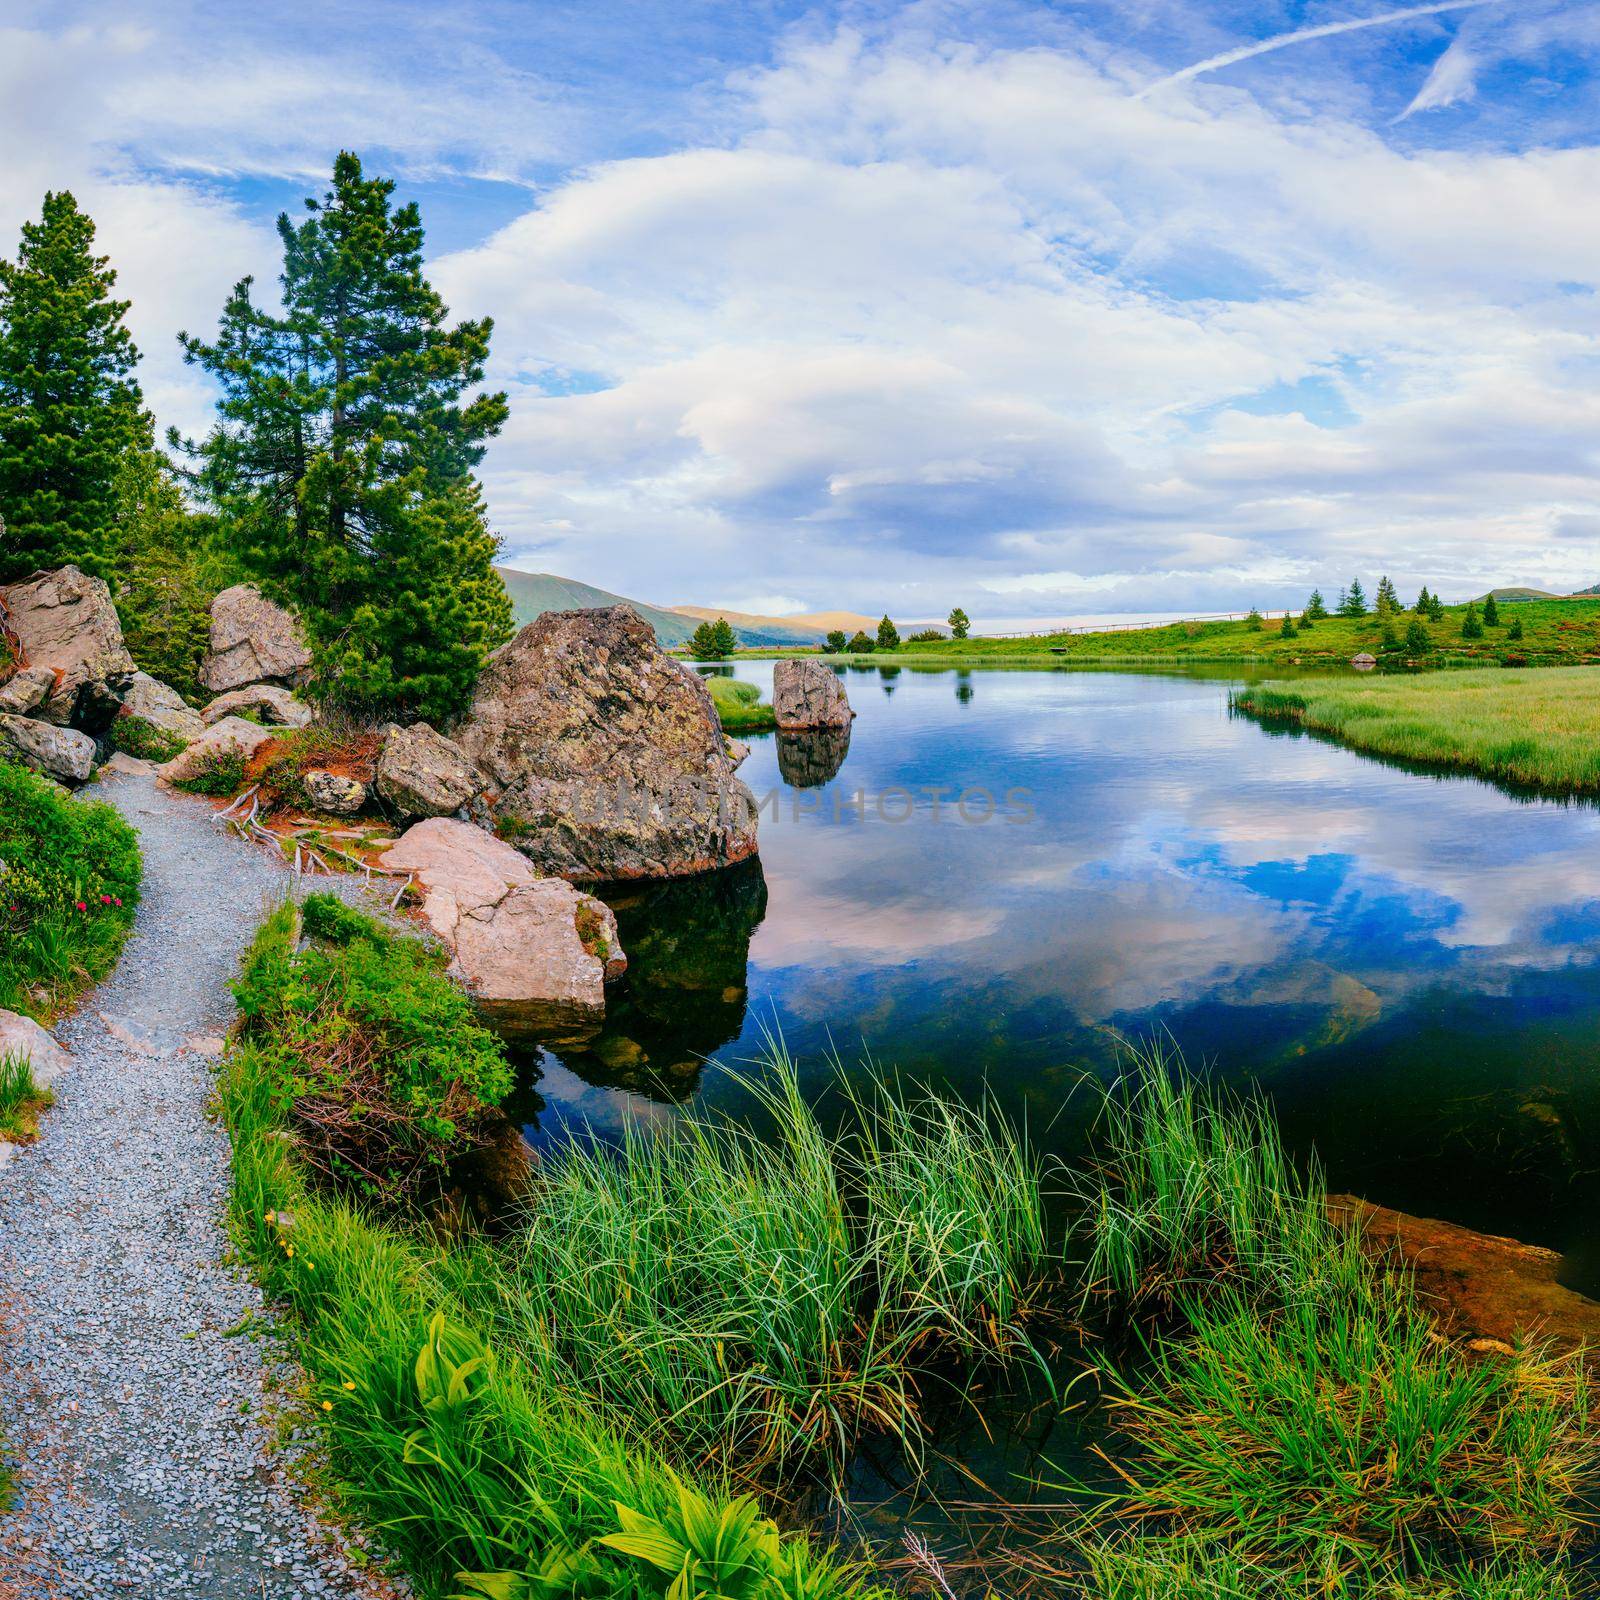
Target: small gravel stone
x,y
142,1440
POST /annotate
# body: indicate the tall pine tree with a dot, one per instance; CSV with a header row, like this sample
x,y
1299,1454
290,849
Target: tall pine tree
x,y
341,464
70,411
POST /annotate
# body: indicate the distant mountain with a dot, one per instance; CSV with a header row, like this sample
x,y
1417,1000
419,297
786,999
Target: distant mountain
x,y
535,592
1520,592
1594,588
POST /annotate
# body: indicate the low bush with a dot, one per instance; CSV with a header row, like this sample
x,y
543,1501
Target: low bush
x,y
69,880
136,736
218,772
379,1061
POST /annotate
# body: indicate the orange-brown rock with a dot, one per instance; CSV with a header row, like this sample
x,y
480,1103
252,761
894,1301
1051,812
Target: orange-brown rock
x,y
1483,1288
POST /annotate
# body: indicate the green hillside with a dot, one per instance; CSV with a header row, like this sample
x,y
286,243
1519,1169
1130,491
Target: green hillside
x,y
535,592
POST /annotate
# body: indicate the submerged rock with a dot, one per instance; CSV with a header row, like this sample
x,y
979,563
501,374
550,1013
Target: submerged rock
x,y
252,641
535,953
162,707
423,774
808,760
606,756
806,694
275,704
1481,1287
65,622
61,752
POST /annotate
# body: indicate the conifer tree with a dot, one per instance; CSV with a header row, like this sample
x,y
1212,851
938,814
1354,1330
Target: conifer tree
x,y
706,643
1287,630
960,623
1316,610
727,640
1435,608
70,410
1418,640
1353,603
1471,627
1491,611
1424,602
341,466
1252,620
836,641
1388,598
888,635
1515,630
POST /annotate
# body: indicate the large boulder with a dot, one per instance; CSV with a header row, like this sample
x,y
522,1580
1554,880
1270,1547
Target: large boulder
x,y
534,952
232,733
423,774
806,694
606,757
152,701
274,703
63,753
26,690
65,621
22,1036
334,793
252,641
808,760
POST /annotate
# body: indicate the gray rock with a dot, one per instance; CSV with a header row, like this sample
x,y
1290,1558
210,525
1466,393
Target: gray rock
x,y
252,641
64,620
154,702
423,774
59,752
338,796
275,704
806,694
231,733
535,953
1363,661
121,765
22,1036
738,751
606,756
26,690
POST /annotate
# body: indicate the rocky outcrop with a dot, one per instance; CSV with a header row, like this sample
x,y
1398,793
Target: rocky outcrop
x,y
65,621
232,733
152,701
806,694
26,690
605,756
534,952
59,752
332,792
252,641
22,1036
275,705
1484,1289
423,774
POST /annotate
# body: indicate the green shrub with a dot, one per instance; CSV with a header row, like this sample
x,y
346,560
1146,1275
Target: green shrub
x,y
929,636
67,892
1418,641
218,772
137,737
861,644
376,1055
836,641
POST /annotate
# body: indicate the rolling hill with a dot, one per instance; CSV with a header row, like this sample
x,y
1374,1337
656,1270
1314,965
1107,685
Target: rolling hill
x,y
535,592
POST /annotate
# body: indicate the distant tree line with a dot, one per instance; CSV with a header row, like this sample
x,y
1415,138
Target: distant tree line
x,y
1388,609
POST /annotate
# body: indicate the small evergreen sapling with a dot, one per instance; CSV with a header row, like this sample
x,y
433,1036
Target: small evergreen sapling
x,y
1253,620
1288,630
1418,640
1424,603
1353,603
1491,611
1471,627
1315,609
1515,630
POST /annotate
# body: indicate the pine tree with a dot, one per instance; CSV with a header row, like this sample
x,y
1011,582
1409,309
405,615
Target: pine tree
x,y
1491,611
1424,602
1471,627
960,623
1316,610
1435,608
888,635
1287,630
1252,620
1418,640
706,644
727,639
1353,603
1515,630
341,463
1388,600
836,641
70,410
861,643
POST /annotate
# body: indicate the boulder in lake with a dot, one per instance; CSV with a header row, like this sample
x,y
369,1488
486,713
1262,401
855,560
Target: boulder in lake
x,y
423,774
252,641
65,621
535,953
274,704
1363,661
811,759
334,793
162,707
806,694
64,753
22,1036
232,733
605,756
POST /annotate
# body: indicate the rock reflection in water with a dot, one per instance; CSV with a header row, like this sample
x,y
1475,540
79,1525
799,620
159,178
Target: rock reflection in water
x,y
683,997
808,760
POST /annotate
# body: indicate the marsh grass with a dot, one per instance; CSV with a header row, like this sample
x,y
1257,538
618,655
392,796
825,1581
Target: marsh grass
x,y
740,707
1529,729
1296,1412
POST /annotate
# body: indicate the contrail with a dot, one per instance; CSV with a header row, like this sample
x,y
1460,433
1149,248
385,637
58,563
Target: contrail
x,y
1278,41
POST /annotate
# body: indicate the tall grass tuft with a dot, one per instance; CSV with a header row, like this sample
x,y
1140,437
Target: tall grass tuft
x,y
21,1099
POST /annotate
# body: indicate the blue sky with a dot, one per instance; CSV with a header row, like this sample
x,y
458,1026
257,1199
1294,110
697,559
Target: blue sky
x,y
896,306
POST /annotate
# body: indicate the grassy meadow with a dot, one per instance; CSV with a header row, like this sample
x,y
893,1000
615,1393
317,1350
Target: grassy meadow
x,y
740,707
624,1389
1537,730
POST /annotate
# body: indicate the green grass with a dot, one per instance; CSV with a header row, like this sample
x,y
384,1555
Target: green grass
x,y
70,883
740,707
1554,632
21,1100
1538,730
1297,1425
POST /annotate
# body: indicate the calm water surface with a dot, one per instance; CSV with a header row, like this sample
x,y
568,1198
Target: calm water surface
x,y
1406,964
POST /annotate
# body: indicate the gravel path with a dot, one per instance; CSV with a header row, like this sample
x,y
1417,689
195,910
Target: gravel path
x,y
141,1434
